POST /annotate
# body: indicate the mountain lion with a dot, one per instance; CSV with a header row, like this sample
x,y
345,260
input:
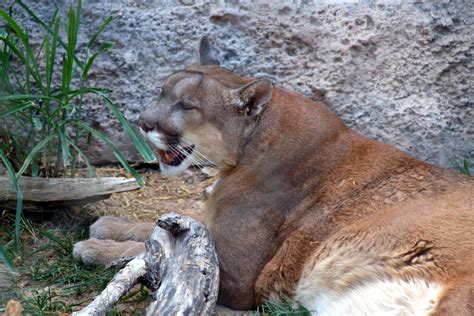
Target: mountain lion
x,y
304,206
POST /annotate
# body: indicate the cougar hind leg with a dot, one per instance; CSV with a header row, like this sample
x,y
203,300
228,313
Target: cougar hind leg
x,y
120,229
458,299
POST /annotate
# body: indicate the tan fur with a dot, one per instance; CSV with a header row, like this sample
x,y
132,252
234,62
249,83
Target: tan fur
x,y
103,251
305,206
120,229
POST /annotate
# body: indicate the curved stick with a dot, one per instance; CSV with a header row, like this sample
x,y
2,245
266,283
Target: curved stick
x,y
123,281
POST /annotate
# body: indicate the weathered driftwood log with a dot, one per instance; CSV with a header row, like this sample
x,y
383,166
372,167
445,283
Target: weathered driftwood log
x,y
123,281
179,265
62,191
181,252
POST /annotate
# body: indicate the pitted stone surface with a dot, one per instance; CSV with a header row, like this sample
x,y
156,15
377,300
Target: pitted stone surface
x,y
395,71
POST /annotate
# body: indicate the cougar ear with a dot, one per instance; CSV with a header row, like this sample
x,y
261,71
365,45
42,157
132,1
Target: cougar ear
x,y
205,53
252,98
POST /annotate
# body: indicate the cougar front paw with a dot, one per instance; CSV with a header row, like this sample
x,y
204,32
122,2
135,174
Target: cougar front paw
x,y
102,252
120,229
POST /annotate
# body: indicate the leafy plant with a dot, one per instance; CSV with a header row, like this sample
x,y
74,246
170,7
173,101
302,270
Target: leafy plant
x,y
44,111
43,90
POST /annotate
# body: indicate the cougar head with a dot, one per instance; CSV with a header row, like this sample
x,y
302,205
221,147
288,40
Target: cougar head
x,y
204,114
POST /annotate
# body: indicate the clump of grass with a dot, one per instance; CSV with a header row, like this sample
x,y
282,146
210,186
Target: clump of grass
x,y
43,90
64,270
42,95
46,302
64,282
287,307
465,166
138,296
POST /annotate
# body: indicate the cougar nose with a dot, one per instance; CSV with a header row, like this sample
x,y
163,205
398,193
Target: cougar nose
x,y
145,124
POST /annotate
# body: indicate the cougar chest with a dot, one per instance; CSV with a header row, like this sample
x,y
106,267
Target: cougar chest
x,y
244,234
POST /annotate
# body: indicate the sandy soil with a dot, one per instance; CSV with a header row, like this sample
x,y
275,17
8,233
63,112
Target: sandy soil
x,y
184,194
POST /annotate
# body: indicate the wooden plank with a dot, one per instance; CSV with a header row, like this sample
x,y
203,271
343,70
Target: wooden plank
x,y
64,190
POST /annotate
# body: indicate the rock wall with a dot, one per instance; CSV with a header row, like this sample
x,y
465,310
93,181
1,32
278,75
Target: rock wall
x,y
396,71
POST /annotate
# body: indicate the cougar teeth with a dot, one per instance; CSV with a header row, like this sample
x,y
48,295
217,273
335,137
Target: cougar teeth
x,y
172,158
168,156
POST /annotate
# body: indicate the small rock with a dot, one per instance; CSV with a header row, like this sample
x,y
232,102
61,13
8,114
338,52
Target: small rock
x,y
13,308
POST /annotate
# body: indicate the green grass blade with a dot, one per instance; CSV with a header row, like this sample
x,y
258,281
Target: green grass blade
x,y
117,153
287,307
15,50
6,87
47,56
52,56
96,34
64,75
29,52
88,64
47,28
104,47
83,156
77,18
462,167
40,49
466,168
64,146
19,197
12,23
71,94
6,261
67,60
35,168
64,246
137,139
33,152
24,61
27,97
16,108
53,17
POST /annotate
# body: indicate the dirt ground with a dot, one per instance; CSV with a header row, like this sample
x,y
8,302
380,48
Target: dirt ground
x,y
184,194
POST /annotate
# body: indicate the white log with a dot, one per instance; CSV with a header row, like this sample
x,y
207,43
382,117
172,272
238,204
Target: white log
x,y
181,253
180,266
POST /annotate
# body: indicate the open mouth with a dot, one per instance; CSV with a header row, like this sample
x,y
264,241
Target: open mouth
x,y
174,157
